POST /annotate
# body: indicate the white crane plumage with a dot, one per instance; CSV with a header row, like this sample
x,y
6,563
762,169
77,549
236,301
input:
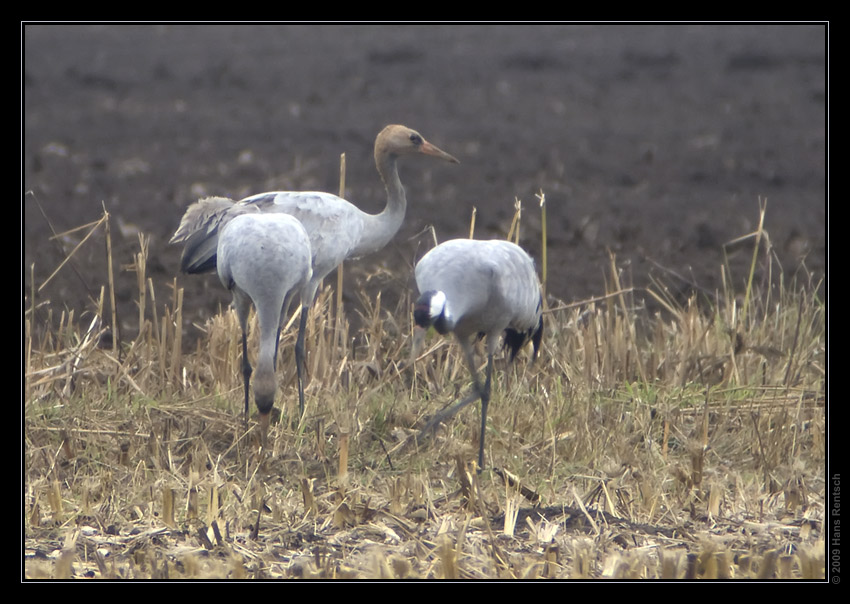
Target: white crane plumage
x,y
264,259
337,229
479,288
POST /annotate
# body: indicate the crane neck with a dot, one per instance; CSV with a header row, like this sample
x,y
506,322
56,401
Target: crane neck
x,y
381,228
265,381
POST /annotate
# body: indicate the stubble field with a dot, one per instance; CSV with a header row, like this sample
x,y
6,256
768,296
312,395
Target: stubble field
x,y
689,443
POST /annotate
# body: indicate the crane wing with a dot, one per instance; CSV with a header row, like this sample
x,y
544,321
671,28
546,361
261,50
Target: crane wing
x,y
199,229
516,283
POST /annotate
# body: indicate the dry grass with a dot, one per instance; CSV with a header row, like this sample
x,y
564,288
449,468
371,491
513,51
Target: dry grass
x,y
686,443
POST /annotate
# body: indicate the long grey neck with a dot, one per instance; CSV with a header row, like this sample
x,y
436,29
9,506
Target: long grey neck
x,y
380,228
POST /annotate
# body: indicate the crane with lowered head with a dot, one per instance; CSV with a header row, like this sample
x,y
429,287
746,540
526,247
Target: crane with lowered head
x,y
263,259
473,289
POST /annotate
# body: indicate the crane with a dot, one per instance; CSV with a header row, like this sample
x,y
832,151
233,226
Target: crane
x,y
476,288
263,259
337,229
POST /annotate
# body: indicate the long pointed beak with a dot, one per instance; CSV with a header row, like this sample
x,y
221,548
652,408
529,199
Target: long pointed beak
x,y
264,428
429,149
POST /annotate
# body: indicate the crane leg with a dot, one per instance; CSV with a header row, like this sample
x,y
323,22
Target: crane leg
x,y
485,401
246,369
478,392
299,358
276,344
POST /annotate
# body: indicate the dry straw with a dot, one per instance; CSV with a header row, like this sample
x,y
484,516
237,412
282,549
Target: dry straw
x,y
686,440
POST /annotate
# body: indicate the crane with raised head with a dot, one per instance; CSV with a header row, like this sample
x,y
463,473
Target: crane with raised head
x,y
337,229
264,259
473,289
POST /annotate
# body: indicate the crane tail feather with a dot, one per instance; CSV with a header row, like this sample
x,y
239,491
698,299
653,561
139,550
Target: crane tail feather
x,y
199,229
536,338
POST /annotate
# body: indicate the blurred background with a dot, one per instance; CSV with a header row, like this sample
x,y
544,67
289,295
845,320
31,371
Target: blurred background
x,y
651,142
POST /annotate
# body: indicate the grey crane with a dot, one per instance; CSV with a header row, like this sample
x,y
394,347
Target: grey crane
x,y
479,288
338,229
264,259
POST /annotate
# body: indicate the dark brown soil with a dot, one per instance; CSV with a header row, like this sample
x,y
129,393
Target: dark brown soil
x,y
653,142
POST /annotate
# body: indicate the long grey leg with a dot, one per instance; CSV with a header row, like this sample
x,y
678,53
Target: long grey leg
x,y
299,357
477,393
284,312
485,401
470,362
242,304
246,370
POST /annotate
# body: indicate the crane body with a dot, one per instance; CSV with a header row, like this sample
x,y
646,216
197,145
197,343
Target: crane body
x,y
264,260
478,288
337,229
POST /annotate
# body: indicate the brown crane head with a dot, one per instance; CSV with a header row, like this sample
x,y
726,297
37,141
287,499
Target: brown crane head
x,y
395,140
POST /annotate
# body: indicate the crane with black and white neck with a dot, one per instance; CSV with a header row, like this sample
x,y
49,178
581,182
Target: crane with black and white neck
x,y
476,288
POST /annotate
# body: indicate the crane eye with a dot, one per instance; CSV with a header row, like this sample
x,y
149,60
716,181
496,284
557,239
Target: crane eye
x,y
415,139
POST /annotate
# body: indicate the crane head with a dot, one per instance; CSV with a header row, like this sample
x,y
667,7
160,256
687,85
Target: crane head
x,y
401,140
430,309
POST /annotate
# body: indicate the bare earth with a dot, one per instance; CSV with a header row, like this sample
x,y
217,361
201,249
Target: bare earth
x,y
653,142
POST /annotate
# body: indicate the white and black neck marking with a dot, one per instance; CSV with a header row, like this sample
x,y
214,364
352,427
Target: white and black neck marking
x,y
431,309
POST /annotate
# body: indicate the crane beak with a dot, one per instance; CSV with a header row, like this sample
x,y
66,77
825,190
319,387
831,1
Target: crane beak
x,y
264,428
429,149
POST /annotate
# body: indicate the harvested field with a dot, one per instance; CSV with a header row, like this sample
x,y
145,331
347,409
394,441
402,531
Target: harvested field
x,y
687,444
